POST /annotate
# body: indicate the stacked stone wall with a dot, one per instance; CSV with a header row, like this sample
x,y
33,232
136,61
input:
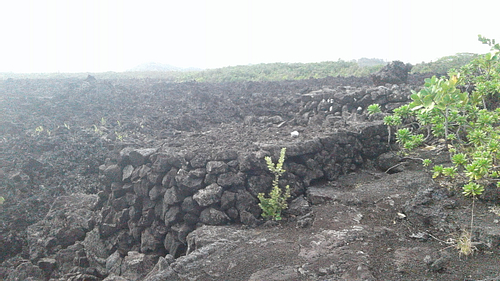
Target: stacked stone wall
x,y
155,197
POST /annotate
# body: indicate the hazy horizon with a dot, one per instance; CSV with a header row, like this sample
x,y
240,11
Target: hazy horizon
x,y
178,68
60,36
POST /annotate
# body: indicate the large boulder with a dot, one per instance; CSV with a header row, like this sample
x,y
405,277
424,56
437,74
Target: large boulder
x,y
67,222
212,216
134,266
26,271
140,156
395,72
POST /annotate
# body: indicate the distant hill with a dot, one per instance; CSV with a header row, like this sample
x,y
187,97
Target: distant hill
x,y
153,66
444,64
258,72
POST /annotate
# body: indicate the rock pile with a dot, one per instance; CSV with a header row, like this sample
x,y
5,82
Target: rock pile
x,y
153,197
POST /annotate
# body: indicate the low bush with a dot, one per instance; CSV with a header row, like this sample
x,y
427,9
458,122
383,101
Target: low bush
x,y
463,113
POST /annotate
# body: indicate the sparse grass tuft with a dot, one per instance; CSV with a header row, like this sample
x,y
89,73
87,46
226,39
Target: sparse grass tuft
x,y
464,244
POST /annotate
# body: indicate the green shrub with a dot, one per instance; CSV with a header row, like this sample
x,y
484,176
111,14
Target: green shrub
x,y
444,64
373,108
276,202
464,112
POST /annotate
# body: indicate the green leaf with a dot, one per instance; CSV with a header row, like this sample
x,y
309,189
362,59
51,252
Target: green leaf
x,y
438,170
416,99
427,102
459,159
472,189
373,108
440,106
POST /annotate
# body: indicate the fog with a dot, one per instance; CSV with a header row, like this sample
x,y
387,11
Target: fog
x,y
117,35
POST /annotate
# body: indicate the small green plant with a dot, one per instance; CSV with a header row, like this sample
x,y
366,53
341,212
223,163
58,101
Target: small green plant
x,y
438,171
392,121
472,189
97,130
1,200
120,135
403,111
373,108
459,159
450,172
276,202
39,130
407,140
464,244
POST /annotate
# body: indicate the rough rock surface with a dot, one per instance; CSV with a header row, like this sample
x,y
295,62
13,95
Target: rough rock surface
x,y
359,234
395,72
144,179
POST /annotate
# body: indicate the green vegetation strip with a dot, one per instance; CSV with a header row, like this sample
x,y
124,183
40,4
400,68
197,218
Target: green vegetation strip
x,y
264,71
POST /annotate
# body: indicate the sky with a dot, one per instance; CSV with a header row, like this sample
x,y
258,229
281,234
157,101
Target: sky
x,y
117,35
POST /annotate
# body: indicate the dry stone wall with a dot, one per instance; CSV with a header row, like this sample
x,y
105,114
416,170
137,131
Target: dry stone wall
x,y
154,197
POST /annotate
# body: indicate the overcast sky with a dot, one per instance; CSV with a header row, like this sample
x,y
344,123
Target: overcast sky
x,y
116,35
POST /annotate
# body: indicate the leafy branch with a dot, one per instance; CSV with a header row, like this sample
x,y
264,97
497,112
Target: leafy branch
x,y
276,202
